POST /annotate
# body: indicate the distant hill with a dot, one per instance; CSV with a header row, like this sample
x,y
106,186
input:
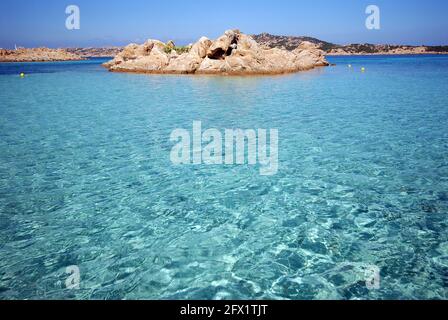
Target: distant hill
x,y
385,49
289,42
292,42
96,52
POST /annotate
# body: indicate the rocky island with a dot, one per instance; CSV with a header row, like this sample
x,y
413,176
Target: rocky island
x,y
234,53
37,55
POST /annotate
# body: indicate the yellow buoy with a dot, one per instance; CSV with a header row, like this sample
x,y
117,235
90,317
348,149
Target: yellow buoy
x,y
363,69
22,75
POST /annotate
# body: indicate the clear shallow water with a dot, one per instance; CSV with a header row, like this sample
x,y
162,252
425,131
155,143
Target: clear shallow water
x,y
86,180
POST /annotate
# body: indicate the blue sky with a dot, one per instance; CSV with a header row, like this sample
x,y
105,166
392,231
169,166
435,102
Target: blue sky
x,y
112,22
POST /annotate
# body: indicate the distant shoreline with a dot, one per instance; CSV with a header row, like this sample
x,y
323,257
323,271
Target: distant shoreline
x,y
386,54
37,55
267,73
266,40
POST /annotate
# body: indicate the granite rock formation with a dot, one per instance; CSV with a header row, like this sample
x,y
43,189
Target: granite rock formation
x,y
234,53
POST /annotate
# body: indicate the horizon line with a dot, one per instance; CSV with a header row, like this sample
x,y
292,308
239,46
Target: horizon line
x,y
187,41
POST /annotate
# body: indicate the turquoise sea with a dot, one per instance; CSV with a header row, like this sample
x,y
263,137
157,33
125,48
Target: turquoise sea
x,y
86,180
